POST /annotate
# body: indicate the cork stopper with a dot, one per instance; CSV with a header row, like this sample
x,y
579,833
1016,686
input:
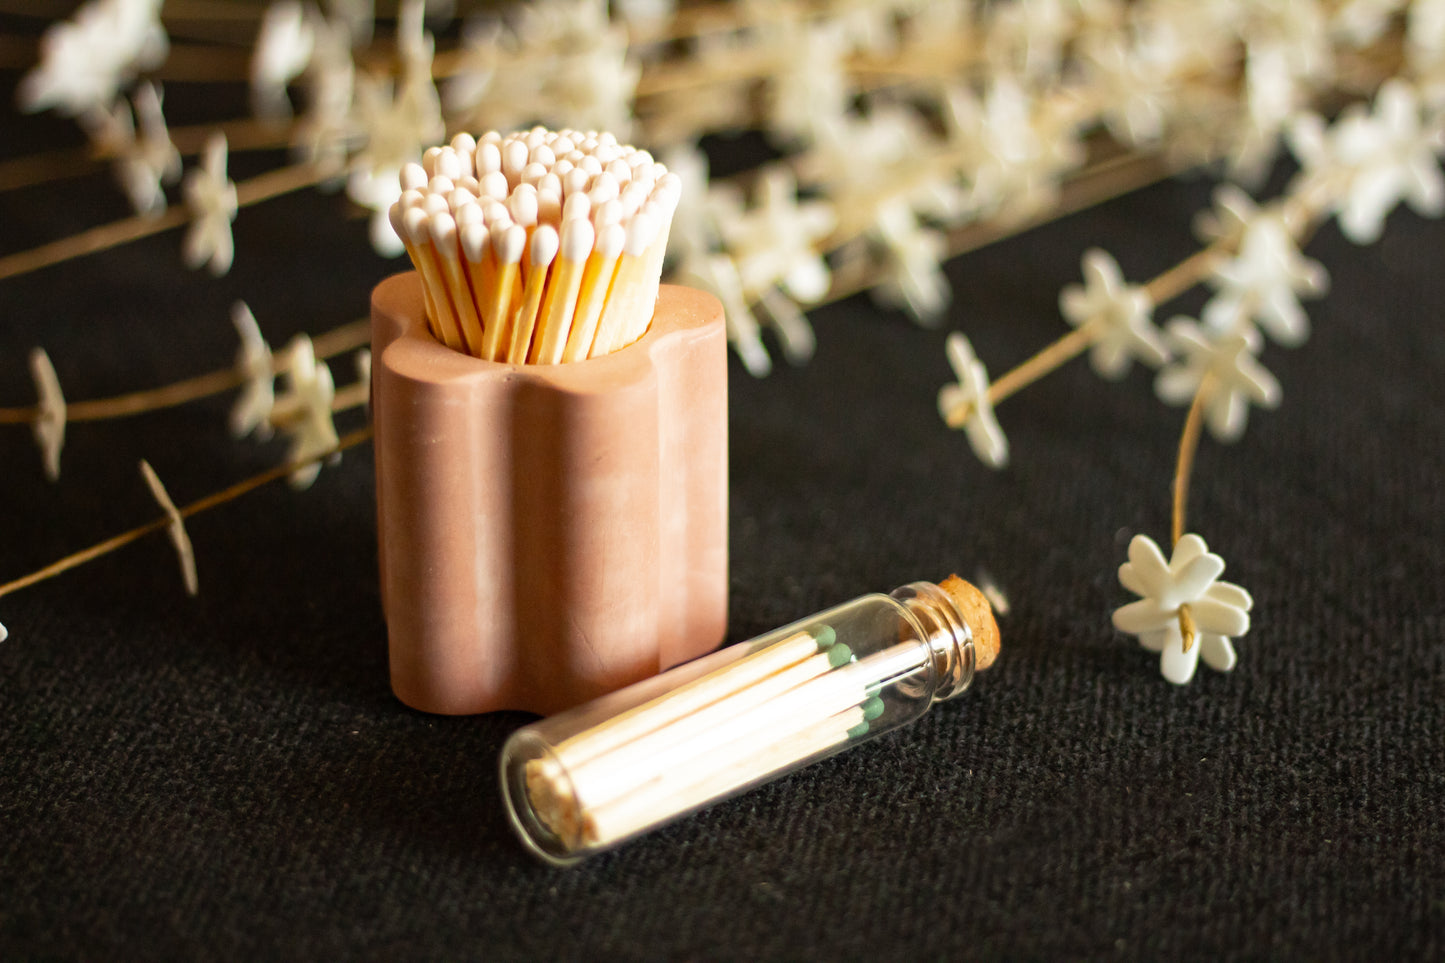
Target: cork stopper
x,y
979,616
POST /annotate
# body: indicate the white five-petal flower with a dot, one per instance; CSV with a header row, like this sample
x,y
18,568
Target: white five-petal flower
x,y
1264,280
175,528
1216,611
966,404
282,51
49,424
1368,162
304,413
1120,314
84,61
775,242
1237,379
252,410
211,197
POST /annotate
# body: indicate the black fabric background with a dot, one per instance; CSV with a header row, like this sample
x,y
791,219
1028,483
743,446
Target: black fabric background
x,y
230,778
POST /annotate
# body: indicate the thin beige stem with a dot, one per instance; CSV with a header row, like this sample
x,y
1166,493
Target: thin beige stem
x,y
348,337
1184,275
231,493
1188,446
107,236
1050,359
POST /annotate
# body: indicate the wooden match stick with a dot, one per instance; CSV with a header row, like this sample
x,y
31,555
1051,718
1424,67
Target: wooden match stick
x,y
561,301
541,251
596,280
445,239
508,243
628,285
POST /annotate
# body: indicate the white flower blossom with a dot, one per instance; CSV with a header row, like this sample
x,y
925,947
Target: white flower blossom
x,y
144,163
211,197
718,274
280,55
1121,315
1368,162
1360,23
175,528
775,241
966,404
1237,379
85,61
1217,611
252,410
913,278
49,424
324,131
304,412
1263,281
807,88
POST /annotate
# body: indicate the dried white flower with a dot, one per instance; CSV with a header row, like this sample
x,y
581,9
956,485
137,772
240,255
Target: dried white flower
x,y
84,61
775,241
1236,378
1264,279
280,55
912,277
966,404
142,164
1360,23
1216,611
304,412
324,131
718,274
49,424
1120,314
211,197
807,88
176,529
252,410
1368,162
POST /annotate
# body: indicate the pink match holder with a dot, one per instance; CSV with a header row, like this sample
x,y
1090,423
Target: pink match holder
x,y
548,533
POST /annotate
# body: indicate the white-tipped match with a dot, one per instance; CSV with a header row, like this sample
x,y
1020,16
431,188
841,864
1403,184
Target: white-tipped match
x,y
542,154
641,232
440,184
514,158
550,183
604,214
396,214
640,158
591,165
575,205
633,197
533,173
464,144
449,164
475,241
459,199
561,168
606,138
410,199
435,204
429,160
470,184
497,213
549,207
574,157
443,231
509,242
563,144
491,137
607,153
537,135
610,240
577,239
494,185
488,159
415,221
523,205
469,213
413,177
619,169
604,188
575,181
543,249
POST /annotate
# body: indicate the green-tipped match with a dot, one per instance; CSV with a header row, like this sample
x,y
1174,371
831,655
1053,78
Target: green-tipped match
x,y
825,636
839,654
872,708
858,731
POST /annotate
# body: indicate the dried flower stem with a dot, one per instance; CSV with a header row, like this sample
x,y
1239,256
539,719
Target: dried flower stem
x,y
348,337
271,184
1188,447
231,493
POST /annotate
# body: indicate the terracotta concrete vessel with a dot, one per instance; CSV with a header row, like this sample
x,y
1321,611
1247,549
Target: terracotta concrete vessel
x,y
548,533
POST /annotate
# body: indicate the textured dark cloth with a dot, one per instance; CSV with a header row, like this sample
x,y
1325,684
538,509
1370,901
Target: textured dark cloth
x,y
230,778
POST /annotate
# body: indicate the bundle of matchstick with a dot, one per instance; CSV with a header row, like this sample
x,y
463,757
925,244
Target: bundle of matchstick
x,y
767,710
540,247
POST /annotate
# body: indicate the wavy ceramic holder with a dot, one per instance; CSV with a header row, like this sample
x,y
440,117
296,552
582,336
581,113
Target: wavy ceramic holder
x,y
548,533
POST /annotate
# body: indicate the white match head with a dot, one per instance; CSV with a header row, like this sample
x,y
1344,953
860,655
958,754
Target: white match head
x,y
497,213
575,181
641,232
590,164
618,169
415,221
537,135
443,230
564,143
533,173
491,137
576,205
639,158
603,189
464,144
509,241
606,138
412,198
577,238
435,204
494,185
488,159
610,240
449,164
396,214
460,198
470,184
562,167
550,183
413,177
514,158
470,213
542,154
475,241
523,205
543,248
608,213
441,184
429,160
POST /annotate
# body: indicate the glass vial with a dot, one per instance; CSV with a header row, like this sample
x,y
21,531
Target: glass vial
x,y
587,779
